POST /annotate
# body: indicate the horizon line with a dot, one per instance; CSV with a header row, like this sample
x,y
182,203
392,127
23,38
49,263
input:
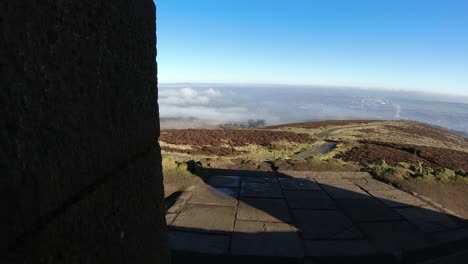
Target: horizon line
x,y
322,86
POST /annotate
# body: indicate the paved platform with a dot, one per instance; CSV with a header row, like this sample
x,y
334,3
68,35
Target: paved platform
x,y
302,215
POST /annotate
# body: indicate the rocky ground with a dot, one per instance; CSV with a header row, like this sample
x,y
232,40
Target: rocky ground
x,y
408,155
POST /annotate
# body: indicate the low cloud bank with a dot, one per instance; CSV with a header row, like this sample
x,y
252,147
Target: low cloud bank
x,y
211,106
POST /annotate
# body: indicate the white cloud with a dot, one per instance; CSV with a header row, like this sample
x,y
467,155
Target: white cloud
x,y
207,104
203,104
206,113
184,96
213,93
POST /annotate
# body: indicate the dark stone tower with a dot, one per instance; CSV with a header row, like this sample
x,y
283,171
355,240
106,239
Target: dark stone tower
x,y
81,178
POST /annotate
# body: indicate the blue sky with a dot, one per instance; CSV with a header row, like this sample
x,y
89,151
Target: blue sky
x,y
409,44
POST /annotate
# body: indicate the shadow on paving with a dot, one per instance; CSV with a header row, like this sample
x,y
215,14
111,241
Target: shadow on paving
x,y
306,217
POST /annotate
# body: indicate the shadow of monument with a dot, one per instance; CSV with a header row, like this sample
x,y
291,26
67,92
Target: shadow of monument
x,y
262,216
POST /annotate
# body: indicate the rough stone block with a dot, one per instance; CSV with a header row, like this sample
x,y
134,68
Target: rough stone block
x,y
78,133
111,223
78,100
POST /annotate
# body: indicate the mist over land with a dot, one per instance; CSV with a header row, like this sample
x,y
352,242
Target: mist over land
x,y
210,105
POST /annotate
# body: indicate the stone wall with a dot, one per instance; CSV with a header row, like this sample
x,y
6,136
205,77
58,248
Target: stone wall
x,y
80,163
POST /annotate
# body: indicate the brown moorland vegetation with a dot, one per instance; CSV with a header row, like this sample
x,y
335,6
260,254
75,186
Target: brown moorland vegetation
x,y
319,124
432,157
223,142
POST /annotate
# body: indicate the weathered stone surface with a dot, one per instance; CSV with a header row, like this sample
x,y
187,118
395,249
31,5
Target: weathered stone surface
x,y
205,194
354,175
179,204
372,185
225,181
362,210
450,236
428,218
205,218
257,189
319,224
345,192
299,174
326,174
309,200
114,222
393,236
170,218
199,243
266,239
450,259
299,184
260,179
79,111
338,248
397,198
263,209
334,181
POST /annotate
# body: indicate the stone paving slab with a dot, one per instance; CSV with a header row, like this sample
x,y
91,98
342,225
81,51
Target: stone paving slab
x,y
199,243
266,239
355,175
225,181
309,200
367,210
326,174
371,185
346,191
397,198
263,209
338,248
450,236
338,214
205,194
456,258
299,184
296,174
170,217
334,181
320,224
206,218
260,179
179,204
428,218
261,189
394,236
